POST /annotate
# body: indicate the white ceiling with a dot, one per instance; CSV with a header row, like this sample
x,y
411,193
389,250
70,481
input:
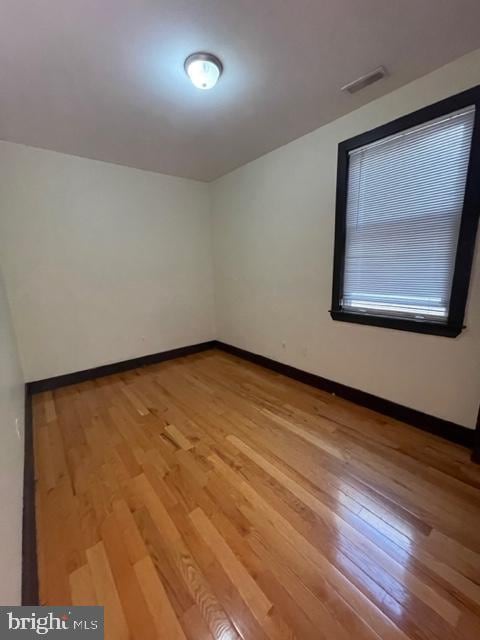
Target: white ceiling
x,y
104,78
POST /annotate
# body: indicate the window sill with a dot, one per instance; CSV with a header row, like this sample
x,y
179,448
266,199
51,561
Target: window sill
x,y
401,324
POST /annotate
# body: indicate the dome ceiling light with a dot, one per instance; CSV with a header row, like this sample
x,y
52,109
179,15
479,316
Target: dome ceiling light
x,y
203,69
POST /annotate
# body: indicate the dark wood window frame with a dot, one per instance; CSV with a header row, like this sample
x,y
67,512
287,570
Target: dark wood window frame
x,y
468,226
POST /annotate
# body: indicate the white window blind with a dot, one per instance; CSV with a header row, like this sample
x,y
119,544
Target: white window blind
x,y
404,207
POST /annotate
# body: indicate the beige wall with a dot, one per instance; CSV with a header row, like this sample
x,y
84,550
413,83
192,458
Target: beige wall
x,y
102,263
11,459
273,229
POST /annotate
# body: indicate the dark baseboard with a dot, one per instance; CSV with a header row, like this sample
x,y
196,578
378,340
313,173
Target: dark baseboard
x,y
443,428
476,453
30,595
476,444
117,367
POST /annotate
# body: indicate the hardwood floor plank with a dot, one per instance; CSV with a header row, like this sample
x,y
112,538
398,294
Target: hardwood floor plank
x,y
263,515
206,498
161,610
106,593
81,586
178,437
448,611
246,585
216,618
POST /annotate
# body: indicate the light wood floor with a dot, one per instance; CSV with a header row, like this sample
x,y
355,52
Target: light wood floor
x,y
210,498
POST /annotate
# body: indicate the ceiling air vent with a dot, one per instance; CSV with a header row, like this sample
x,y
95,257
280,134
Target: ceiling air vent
x,y
364,81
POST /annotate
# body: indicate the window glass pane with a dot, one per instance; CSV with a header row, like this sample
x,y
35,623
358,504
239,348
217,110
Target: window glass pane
x,y
404,207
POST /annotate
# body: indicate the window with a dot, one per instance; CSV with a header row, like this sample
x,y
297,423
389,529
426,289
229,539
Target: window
x,y
408,201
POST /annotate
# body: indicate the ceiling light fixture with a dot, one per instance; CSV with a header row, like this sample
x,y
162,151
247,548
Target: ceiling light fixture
x,y
203,69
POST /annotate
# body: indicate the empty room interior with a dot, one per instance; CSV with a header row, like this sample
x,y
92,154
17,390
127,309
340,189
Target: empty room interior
x,y
240,319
